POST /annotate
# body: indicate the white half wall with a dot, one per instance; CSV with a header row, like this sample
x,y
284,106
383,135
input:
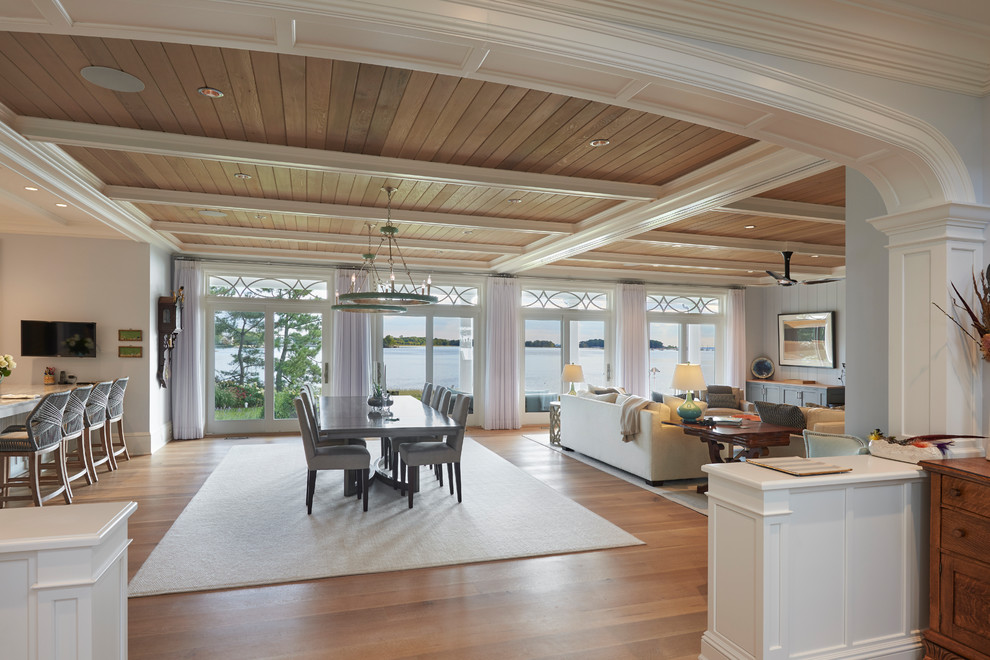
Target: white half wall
x,y
114,283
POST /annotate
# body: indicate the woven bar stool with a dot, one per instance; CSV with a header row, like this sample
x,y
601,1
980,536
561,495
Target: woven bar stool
x,y
73,427
41,435
115,413
95,419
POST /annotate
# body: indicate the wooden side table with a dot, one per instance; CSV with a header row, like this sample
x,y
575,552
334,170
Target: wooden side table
x,y
555,422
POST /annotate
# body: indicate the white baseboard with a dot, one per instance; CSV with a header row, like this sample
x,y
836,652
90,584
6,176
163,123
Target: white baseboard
x,y
142,444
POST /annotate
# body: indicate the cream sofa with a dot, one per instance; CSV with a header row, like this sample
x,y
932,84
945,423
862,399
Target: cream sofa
x,y
658,453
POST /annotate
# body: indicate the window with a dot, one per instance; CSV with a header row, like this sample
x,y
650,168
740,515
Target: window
x,y
267,340
563,327
684,328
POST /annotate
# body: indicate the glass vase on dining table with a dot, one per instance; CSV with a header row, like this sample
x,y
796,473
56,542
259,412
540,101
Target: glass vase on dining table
x,y
380,400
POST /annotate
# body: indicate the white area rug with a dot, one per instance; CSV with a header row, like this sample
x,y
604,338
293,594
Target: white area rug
x,y
247,525
683,492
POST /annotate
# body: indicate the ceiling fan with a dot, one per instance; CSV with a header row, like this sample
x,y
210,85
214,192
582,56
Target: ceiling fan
x,y
787,280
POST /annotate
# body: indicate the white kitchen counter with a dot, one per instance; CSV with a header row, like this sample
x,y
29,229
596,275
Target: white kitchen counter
x,y
825,566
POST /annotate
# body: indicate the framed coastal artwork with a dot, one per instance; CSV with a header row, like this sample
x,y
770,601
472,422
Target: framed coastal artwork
x,y
806,340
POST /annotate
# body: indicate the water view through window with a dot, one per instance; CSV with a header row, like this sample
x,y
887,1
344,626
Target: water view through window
x,y
450,358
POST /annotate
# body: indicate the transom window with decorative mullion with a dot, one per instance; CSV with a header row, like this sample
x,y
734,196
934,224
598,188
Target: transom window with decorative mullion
x,y
563,300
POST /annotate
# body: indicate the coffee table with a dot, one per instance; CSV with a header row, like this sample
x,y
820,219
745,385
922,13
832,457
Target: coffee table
x,y
755,439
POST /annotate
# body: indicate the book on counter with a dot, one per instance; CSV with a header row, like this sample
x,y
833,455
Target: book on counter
x,y
797,466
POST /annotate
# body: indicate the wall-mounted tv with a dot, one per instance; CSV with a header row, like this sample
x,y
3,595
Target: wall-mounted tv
x,y
58,339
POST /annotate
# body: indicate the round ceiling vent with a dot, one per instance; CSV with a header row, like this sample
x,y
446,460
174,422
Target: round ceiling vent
x,y
115,79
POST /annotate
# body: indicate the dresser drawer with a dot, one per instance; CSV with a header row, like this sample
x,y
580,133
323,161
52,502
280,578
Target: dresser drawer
x,y
965,534
967,495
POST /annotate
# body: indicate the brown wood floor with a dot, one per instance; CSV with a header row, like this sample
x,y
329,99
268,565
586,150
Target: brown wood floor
x,y
638,602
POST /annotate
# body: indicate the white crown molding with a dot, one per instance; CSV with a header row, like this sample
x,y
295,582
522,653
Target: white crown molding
x,y
194,228
964,223
320,209
318,160
888,40
650,277
59,175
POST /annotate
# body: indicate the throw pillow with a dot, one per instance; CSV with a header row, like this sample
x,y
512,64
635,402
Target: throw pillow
x,y
781,414
720,400
622,398
720,389
606,390
656,396
607,398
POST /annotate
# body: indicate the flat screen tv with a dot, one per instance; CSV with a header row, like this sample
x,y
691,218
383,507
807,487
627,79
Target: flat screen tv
x,y
58,339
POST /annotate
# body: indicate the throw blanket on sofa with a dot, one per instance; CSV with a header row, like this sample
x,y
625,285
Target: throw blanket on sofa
x,y
629,417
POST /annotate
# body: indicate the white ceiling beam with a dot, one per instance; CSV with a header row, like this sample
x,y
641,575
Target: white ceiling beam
x,y
323,237
747,172
115,138
319,209
782,208
653,277
326,258
691,262
661,237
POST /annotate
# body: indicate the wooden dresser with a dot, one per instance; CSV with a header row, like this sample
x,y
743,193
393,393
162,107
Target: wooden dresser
x,y
960,560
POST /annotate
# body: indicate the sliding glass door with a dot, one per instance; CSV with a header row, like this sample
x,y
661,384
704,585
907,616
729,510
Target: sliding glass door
x,y
261,356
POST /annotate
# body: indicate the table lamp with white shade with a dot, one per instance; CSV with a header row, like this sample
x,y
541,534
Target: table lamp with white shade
x,y
572,374
688,378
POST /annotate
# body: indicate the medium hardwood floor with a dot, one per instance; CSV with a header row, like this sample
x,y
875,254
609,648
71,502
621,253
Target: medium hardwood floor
x,y
639,602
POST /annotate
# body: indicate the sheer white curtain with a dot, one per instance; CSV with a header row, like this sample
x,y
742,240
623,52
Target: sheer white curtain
x,y
351,366
737,367
188,364
632,344
502,298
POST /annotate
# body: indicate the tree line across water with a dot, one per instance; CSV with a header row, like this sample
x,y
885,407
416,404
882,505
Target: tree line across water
x,y
594,343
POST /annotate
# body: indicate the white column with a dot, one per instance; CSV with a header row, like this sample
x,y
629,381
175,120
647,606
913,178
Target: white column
x,y
935,370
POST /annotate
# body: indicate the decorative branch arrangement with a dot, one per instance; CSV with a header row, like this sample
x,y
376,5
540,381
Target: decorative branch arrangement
x,y
979,319
942,442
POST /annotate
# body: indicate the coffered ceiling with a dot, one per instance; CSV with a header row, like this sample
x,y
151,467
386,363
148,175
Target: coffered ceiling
x,y
289,165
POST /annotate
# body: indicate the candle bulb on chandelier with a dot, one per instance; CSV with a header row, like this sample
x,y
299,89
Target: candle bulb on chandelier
x,y
429,282
391,278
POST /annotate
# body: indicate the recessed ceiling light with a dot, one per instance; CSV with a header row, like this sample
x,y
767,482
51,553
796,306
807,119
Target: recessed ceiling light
x,y
468,231
814,256
114,79
260,216
212,92
241,175
750,227
599,142
210,213
515,200
31,188
749,271
61,205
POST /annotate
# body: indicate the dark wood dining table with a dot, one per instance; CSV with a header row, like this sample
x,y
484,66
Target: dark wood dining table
x,y
343,417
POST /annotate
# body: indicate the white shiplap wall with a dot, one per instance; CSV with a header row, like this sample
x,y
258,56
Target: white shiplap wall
x,y
765,303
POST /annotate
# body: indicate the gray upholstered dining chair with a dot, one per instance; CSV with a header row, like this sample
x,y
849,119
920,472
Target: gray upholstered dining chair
x,y
427,394
413,455
115,414
39,436
308,402
73,429
817,444
436,396
350,458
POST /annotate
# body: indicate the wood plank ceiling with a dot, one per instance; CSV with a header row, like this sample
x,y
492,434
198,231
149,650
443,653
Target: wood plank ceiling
x,y
292,159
